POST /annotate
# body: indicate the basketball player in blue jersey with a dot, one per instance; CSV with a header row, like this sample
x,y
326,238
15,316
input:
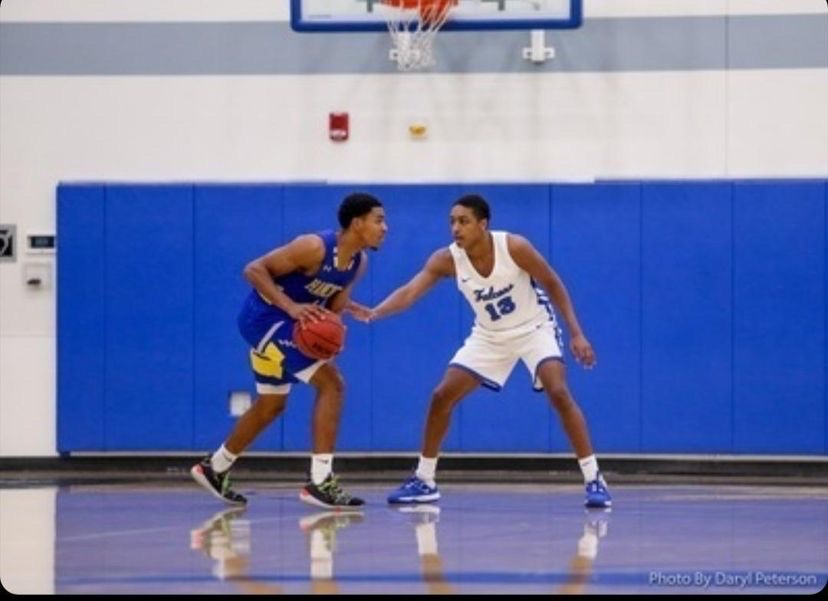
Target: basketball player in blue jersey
x,y
499,274
298,282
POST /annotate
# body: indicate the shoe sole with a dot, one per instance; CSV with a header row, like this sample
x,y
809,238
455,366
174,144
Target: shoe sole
x,y
311,500
309,522
202,480
415,500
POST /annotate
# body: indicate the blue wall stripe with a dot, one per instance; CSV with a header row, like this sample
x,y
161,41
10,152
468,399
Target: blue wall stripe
x,y
686,288
81,359
732,332
251,48
751,39
779,333
149,317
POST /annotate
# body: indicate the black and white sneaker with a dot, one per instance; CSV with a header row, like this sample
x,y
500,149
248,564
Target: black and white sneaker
x,y
218,484
329,494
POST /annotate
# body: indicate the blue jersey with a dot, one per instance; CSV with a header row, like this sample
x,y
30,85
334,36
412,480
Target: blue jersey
x,y
321,286
269,330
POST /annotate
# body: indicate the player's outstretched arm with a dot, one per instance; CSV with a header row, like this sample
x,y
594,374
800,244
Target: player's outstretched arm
x,y
439,265
358,310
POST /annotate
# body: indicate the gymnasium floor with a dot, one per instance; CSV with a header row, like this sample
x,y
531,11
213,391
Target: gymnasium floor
x,y
171,537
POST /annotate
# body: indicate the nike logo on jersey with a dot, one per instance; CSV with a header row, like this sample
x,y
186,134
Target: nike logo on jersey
x,y
464,280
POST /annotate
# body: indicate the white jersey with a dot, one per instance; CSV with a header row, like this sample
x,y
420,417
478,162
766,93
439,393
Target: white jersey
x,y
508,302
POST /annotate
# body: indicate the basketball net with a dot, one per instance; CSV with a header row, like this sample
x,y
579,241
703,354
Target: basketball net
x,y
413,25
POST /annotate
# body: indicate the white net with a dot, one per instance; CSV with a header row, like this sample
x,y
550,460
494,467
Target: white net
x,y
413,25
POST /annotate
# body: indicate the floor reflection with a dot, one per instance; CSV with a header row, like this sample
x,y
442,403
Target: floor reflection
x,y
152,539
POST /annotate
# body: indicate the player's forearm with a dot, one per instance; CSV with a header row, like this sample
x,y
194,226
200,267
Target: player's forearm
x,y
560,298
399,300
339,301
572,324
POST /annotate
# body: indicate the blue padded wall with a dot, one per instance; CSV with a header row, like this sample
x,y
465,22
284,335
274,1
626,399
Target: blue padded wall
x,y
596,239
686,328
149,317
779,317
80,318
705,301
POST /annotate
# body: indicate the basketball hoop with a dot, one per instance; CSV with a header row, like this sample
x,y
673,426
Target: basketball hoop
x,y
413,25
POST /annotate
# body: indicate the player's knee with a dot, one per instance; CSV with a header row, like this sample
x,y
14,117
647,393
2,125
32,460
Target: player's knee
x,y
334,384
559,395
441,400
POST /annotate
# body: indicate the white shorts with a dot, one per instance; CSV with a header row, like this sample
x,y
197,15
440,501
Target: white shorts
x,y
491,358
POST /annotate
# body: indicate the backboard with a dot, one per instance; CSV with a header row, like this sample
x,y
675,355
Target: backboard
x,y
469,15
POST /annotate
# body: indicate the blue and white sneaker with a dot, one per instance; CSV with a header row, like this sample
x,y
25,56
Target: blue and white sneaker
x,y
597,494
414,490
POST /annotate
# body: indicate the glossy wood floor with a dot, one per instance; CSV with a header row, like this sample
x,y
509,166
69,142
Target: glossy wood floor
x,y
483,538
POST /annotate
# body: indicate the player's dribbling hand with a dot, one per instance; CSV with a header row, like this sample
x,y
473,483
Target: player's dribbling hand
x,y
308,313
582,350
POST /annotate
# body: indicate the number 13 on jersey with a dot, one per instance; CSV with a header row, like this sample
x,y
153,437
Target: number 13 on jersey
x,y
503,306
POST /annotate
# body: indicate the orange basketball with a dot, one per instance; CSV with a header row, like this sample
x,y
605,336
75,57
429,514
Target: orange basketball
x,y
321,339
431,11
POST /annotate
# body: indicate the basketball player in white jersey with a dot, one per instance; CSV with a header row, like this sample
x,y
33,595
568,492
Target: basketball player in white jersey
x,y
499,274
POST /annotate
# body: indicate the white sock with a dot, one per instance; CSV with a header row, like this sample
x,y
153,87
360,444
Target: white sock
x,y
427,470
321,467
321,569
321,556
426,539
222,460
588,545
589,467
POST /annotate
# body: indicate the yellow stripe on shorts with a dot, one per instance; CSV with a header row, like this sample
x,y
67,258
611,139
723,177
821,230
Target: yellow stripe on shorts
x,y
269,362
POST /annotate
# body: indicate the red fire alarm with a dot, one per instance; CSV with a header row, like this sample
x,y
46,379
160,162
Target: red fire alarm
x,y
338,126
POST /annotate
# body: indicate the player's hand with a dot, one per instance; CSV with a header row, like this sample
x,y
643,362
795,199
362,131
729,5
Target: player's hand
x,y
360,312
582,350
308,313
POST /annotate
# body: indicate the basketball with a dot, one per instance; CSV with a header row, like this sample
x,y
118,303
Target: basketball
x,y
321,339
431,11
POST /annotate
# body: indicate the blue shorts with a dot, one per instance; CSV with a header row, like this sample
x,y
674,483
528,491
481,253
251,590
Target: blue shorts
x,y
274,358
